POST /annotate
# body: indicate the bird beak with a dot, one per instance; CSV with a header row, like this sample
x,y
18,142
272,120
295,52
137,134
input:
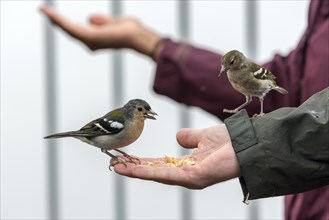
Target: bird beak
x,y
221,70
150,114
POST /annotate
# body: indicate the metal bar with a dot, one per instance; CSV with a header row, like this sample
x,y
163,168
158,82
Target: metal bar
x,y
117,92
251,30
51,119
252,48
185,119
117,83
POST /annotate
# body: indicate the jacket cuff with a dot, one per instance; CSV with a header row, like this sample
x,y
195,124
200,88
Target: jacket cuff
x,y
168,71
252,159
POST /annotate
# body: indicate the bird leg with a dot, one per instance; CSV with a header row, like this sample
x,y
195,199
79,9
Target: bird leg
x,y
131,159
248,100
261,100
117,160
108,153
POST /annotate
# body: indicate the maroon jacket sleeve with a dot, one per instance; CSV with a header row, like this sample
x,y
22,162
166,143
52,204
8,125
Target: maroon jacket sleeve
x,y
189,75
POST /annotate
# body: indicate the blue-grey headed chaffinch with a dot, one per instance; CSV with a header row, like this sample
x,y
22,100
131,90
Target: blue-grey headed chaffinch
x,y
248,78
114,130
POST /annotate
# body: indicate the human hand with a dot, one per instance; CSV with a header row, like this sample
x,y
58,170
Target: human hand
x,y
107,32
215,161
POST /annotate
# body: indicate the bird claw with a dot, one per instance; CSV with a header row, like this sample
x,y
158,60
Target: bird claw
x,y
117,160
123,160
230,111
133,160
258,115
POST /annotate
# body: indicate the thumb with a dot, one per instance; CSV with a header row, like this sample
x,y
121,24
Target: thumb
x,y
189,137
99,19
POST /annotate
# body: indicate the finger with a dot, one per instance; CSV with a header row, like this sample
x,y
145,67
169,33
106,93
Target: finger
x,y
100,20
166,175
189,137
74,29
125,170
52,14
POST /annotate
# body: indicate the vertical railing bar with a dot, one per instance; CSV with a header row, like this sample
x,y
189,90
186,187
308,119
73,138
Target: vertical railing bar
x,y
252,48
185,119
117,83
251,30
117,86
51,119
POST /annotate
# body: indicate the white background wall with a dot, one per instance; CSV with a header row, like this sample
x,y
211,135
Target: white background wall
x,y
84,78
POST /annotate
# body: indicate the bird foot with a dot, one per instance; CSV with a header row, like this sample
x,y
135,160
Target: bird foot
x,y
258,115
124,160
117,160
230,111
133,160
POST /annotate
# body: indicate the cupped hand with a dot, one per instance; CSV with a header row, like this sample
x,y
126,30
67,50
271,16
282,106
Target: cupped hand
x,y
215,161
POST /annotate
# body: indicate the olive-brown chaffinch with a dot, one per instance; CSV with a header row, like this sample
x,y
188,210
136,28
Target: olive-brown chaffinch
x,y
248,78
114,130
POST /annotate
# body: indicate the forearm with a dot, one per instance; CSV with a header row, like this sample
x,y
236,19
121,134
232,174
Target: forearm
x,y
285,151
146,41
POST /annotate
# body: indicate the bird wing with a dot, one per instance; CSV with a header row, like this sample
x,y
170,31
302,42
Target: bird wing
x,y
111,123
260,72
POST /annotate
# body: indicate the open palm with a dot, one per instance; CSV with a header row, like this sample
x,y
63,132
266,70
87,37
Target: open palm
x,y
106,31
215,161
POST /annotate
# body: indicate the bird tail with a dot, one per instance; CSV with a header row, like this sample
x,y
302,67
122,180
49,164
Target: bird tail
x,y
78,133
280,90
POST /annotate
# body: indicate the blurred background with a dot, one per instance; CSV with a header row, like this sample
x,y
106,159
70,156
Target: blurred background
x,y
52,83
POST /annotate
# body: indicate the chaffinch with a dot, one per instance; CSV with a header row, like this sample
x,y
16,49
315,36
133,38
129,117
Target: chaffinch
x,y
248,78
114,130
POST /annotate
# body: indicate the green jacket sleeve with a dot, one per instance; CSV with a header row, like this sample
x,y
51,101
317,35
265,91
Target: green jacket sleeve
x,y
285,151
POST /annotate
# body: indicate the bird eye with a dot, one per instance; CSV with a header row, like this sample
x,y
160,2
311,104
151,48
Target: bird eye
x,y
232,61
140,109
